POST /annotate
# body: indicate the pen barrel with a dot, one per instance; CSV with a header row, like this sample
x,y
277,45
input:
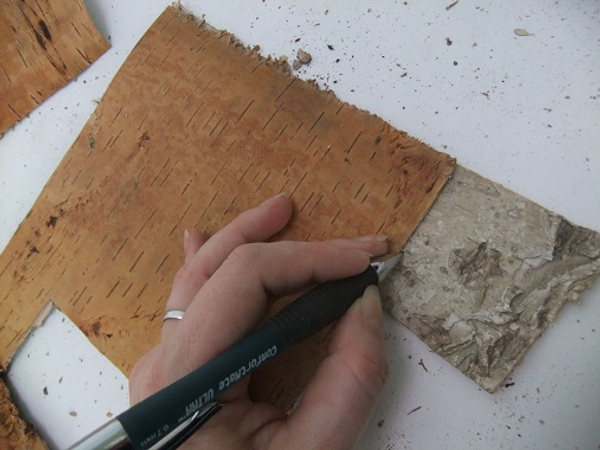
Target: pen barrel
x,y
320,307
151,420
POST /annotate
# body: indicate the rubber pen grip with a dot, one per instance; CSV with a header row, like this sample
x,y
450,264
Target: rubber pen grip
x,y
320,307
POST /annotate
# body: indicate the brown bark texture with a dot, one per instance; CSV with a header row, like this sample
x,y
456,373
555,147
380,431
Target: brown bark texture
x,y
15,433
44,44
194,129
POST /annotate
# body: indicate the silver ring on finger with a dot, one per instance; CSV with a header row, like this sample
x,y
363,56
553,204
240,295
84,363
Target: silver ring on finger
x,y
175,314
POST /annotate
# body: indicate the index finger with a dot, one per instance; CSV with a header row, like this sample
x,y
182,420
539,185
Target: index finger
x,y
235,298
254,225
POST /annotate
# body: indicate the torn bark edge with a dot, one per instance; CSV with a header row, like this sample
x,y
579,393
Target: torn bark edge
x,y
38,322
43,315
281,63
11,414
14,424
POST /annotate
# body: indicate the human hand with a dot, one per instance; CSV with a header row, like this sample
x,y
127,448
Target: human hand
x,y
225,286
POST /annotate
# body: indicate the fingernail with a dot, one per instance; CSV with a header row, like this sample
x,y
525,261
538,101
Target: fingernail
x,y
186,235
371,308
378,237
281,194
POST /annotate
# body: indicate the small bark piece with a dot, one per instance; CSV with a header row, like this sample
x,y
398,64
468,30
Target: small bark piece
x,y
15,433
485,273
44,44
522,32
304,57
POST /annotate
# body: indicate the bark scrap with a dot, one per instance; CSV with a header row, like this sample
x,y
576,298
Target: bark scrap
x,y
44,44
485,273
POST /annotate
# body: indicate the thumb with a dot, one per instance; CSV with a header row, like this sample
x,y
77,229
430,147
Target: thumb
x,y
340,399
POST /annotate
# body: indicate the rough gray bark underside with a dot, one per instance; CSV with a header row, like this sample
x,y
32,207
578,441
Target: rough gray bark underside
x,y
485,273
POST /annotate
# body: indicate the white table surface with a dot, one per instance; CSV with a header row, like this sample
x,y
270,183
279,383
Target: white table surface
x,y
521,110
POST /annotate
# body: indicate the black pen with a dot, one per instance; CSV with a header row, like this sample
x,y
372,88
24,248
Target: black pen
x,y
166,419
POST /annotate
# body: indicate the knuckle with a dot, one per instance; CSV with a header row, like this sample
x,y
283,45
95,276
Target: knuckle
x,y
183,275
244,256
371,372
146,376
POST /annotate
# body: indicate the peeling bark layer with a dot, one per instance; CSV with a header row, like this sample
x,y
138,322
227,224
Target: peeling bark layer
x,y
485,273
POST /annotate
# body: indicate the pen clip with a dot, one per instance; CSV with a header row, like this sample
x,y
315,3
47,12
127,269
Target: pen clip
x,y
181,434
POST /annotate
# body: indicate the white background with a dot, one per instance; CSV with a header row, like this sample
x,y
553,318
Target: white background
x,y
521,110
